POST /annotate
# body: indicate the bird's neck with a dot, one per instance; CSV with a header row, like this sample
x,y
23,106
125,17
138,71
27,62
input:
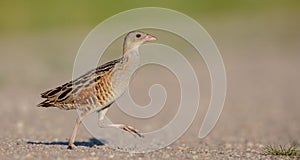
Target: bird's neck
x,y
125,68
131,58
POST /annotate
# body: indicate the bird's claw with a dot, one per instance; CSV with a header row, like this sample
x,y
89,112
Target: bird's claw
x,y
72,146
132,131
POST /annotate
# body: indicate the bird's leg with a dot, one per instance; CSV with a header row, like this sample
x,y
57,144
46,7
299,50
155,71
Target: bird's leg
x,y
75,130
72,139
124,127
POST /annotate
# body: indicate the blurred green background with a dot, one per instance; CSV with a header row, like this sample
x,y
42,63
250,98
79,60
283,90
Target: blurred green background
x,y
41,38
35,15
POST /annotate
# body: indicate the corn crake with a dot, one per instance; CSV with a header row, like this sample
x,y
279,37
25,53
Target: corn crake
x,y
99,88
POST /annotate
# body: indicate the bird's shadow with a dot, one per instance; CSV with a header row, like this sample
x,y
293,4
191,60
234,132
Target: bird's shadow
x,y
91,143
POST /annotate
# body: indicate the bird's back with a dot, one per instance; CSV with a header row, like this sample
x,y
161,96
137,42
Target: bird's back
x,y
89,91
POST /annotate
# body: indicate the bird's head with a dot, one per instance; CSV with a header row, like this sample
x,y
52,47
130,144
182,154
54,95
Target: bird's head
x,y
136,38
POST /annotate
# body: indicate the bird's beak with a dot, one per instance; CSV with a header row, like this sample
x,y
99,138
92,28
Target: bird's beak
x,y
150,38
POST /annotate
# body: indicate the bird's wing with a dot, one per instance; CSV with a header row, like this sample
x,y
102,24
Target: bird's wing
x,y
66,93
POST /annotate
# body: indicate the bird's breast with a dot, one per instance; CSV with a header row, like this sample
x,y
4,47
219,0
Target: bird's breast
x,y
122,73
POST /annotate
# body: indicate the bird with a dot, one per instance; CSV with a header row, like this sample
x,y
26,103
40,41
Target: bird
x,y
99,88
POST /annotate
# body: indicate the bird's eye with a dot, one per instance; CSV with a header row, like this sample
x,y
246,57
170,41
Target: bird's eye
x,y
138,35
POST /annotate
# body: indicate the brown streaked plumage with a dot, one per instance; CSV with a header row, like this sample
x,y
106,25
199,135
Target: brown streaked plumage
x,y
99,88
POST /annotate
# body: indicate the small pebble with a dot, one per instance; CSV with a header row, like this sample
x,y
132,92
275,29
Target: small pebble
x,y
111,156
228,146
93,153
249,144
248,155
167,156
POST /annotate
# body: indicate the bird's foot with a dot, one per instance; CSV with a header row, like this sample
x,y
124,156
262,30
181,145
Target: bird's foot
x,y
72,146
124,127
131,130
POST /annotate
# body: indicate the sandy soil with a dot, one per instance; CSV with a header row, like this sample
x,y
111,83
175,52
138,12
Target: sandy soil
x,y
261,108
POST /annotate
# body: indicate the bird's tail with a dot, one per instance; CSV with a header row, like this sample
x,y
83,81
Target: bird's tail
x,y
45,103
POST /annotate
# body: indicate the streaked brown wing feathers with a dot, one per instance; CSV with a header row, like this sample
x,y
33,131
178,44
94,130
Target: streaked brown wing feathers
x,y
67,93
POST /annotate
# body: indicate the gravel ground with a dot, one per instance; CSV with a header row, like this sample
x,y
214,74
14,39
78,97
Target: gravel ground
x,y
261,108
248,123
25,149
